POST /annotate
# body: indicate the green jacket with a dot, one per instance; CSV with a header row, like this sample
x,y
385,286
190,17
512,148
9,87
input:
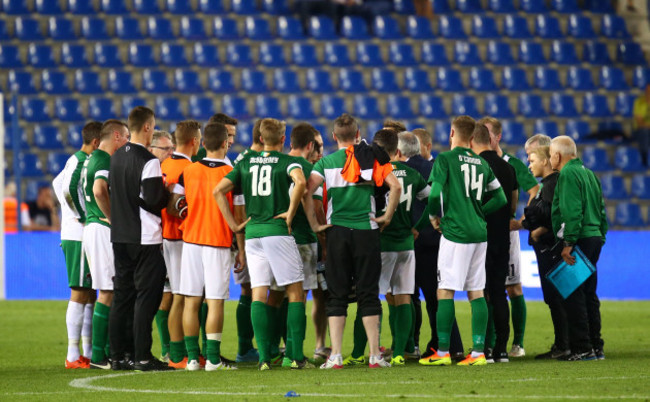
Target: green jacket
x,y
578,209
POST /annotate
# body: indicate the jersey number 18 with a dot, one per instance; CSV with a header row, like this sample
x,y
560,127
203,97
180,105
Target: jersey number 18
x,y
472,182
261,183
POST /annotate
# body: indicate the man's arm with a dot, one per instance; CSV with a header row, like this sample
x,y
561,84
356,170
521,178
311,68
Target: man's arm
x,y
570,204
394,193
154,194
497,201
317,223
297,195
531,194
102,197
72,191
219,194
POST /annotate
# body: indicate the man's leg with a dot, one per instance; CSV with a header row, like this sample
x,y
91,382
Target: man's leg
x,y
87,327
100,325
516,295
162,323
591,247
244,325
319,317
214,330
296,321
74,318
545,263
260,320
496,271
78,279
173,252
277,325
191,330
120,318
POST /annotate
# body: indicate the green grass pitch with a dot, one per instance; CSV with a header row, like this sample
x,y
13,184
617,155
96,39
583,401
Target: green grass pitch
x,y
33,347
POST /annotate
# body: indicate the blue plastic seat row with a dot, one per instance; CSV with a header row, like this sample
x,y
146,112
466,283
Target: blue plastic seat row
x,y
508,6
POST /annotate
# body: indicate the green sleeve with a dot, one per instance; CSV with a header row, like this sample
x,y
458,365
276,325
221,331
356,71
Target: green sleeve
x,y
432,205
235,174
604,226
570,200
74,191
525,179
497,201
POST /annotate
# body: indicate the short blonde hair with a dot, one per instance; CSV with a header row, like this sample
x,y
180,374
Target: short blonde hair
x,y
543,152
495,123
272,131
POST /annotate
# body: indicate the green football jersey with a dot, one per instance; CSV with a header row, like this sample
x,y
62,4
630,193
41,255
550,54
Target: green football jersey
x,y
350,205
241,156
300,228
525,179
96,167
264,181
465,178
202,153
398,236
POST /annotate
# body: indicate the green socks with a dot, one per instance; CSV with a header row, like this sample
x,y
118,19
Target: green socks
x,y
391,323
410,343
203,316
163,330
479,323
275,332
296,330
445,320
177,351
518,306
360,338
100,332
403,322
260,321
213,351
244,326
490,333
192,345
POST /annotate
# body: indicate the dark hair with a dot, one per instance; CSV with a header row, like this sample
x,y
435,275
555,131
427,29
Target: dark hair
x,y
394,125
481,135
214,135
111,126
91,131
223,119
138,117
257,134
302,135
464,127
185,131
387,139
345,127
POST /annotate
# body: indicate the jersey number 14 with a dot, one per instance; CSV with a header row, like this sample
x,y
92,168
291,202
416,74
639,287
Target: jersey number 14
x,y
472,181
261,183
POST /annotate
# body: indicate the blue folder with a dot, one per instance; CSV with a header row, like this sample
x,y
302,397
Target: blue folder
x,y
567,278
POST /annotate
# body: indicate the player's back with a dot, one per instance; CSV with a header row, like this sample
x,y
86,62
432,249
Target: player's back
x,y
172,168
96,167
300,228
68,188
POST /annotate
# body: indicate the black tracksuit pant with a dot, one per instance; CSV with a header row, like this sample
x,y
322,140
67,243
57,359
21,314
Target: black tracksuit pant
x,y
547,258
496,271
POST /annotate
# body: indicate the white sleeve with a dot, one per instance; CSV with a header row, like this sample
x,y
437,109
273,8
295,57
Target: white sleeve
x,y
178,189
151,170
424,193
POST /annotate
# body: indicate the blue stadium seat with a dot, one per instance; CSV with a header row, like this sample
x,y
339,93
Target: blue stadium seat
x,y
22,135
14,7
319,81
601,6
290,28
272,55
500,53
192,28
169,108
613,187
121,82
74,56
187,81
530,106
268,106
41,56
630,53
613,79
580,79
565,6
595,105
405,7
211,7
386,28
564,53
516,27
482,79
128,28
625,104
257,29
47,137
337,55
502,6
254,81
369,55
129,102
366,107
179,7
451,27
548,27
531,53
441,131
61,29
300,108
613,26
276,7
466,54
146,7
225,28
434,54
563,106
141,55
449,80
220,81
431,107
498,106
629,215
548,127
417,80
547,79
484,27
304,55
155,81
239,55
81,6
401,54
107,55
611,129
351,80
464,105
88,82
384,80
9,56
514,79
54,82
160,28
628,159
441,6
245,7
595,53
596,159
93,28
4,33
332,107
286,81
322,28
469,6
27,29
580,27
640,187
578,130
512,132
201,107
114,7
21,82
206,55
419,28
68,109
641,77
101,109
30,165
173,55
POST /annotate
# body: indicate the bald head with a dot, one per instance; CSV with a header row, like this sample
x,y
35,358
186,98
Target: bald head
x,y
563,149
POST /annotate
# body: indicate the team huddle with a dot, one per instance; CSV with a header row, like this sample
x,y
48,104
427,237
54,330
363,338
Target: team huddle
x,y
368,219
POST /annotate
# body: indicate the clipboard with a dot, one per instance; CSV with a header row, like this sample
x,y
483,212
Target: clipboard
x,y
567,278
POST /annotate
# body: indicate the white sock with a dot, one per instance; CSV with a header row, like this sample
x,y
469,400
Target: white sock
x,y
74,317
87,331
476,354
336,358
374,359
443,353
214,337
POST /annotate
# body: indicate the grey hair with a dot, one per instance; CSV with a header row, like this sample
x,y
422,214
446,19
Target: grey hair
x,y
161,134
542,140
564,145
408,144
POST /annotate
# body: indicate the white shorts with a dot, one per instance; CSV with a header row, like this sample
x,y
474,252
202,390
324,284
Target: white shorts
x,y
309,257
99,253
514,265
240,277
205,267
397,272
461,266
172,251
273,257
